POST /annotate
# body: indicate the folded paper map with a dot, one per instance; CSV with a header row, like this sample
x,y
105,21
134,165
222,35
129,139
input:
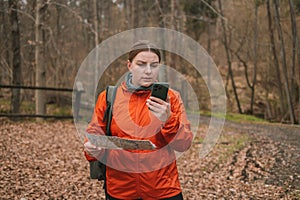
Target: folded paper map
x,y
112,142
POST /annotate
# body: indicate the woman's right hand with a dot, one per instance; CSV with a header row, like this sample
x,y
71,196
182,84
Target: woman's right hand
x,y
160,108
92,150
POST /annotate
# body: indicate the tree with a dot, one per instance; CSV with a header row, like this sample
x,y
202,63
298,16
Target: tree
x,y
16,56
250,83
5,39
284,63
295,53
255,37
228,56
275,58
40,78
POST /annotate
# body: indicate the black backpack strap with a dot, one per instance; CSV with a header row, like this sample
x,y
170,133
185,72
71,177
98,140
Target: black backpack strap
x,y
110,98
111,92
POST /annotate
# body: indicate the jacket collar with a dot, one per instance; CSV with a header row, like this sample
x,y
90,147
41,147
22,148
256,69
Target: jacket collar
x,y
127,85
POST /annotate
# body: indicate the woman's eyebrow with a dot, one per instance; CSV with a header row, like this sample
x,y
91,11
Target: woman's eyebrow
x,y
141,61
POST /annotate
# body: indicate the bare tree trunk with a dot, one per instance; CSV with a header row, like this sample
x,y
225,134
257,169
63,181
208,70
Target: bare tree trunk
x,y
170,72
16,61
162,23
251,86
96,37
294,44
132,21
135,12
95,22
284,64
40,74
266,79
5,38
225,42
209,51
254,57
59,42
276,62
295,50
58,35
31,76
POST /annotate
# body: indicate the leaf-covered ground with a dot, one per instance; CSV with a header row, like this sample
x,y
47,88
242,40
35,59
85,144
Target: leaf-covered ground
x,y
45,161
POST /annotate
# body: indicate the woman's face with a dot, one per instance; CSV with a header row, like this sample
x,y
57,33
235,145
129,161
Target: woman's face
x,y
144,68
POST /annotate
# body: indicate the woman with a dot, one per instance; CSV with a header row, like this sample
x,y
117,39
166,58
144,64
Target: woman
x,y
142,174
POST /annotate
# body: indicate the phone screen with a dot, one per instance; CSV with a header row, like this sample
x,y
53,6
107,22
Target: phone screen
x,y
160,90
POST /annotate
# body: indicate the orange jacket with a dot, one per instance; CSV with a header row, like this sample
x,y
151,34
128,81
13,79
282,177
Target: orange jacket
x,y
146,174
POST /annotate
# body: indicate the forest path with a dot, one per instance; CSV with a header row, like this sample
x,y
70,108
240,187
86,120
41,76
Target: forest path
x,y
45,161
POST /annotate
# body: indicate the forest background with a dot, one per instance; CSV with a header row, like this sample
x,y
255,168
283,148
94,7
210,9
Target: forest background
x,y
255,45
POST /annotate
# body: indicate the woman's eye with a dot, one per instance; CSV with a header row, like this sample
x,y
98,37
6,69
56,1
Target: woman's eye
x,y
142,64
154,65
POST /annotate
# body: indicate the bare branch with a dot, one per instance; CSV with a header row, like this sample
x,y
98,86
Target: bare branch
x,y
215,11
89,25
24,13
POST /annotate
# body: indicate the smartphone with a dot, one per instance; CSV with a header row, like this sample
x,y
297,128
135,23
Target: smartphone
x,y
160,90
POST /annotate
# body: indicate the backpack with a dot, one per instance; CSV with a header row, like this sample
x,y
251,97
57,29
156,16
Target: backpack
x,y
97,168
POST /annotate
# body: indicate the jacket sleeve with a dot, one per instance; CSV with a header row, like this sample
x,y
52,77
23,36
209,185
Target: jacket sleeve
x,y
177,129
97,125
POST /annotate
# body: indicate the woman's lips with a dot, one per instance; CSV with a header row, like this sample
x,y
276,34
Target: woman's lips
x,y
147,79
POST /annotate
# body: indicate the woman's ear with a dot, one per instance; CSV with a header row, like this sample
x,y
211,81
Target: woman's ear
x,y
129,65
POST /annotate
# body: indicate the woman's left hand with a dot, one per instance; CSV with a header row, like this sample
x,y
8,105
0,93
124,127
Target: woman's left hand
x,y
161,109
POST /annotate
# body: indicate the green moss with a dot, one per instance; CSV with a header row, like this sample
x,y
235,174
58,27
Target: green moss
x,y
235,117
53,109
27,107
4,106
243,118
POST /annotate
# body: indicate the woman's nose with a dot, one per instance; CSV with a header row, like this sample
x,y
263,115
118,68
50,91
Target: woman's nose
x,y
148,69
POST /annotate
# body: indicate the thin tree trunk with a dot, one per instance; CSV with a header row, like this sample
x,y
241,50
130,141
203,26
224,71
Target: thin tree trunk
x,y
135,8
295,50
170,72
266,79
294,44
209,51
16,59
95,22
5,39
59,42
96,38
276,62
225,42
40,68
162,23
254,57
284,64
251,86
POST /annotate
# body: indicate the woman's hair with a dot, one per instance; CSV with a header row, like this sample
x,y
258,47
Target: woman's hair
x,y
143,45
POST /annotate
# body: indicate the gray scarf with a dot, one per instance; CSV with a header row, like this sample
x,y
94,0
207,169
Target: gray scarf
x,y
131,87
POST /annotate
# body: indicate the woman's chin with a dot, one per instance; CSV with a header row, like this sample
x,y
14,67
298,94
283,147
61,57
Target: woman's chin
x,y
147,84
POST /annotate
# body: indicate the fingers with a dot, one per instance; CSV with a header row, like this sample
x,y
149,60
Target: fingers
x,y
158,100
160,108
157,105
91,149
89,145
